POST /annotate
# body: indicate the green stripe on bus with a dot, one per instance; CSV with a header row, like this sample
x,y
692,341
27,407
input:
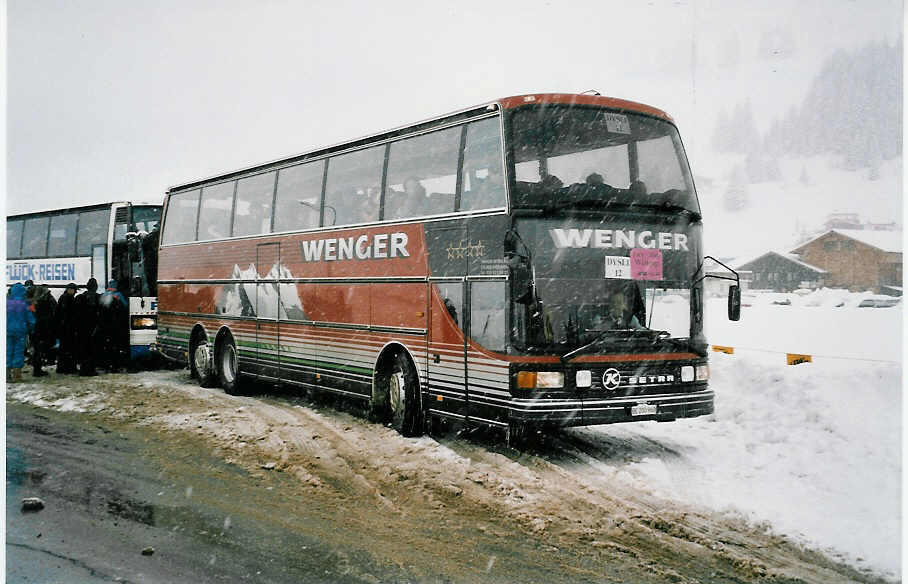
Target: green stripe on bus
x,y
309,362
176,334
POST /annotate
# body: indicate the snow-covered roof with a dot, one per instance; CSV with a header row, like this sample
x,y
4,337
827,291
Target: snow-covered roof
x,y
793,258
890,241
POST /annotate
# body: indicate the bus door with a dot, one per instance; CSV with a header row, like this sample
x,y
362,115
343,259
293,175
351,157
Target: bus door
x,y
448,394
99,264
487,377
447,391
267,309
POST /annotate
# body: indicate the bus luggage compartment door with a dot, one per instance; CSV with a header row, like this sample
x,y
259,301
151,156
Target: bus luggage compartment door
x,y
267,309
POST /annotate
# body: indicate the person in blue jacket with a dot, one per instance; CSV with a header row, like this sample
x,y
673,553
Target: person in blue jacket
x,y
20,322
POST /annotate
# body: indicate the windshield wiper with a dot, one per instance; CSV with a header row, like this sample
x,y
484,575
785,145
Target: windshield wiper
x,y
671,208
626,336
585,348
615,204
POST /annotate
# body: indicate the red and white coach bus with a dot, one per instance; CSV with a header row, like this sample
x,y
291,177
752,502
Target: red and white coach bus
x,y
532,261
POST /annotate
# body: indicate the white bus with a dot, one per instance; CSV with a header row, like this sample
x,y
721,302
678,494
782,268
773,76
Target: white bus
x,y
111,241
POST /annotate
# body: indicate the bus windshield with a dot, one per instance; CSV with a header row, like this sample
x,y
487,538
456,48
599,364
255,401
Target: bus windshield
x,y
146,217
563,154
611,280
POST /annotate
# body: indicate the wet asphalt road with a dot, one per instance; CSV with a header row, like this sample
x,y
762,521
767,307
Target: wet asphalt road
x,y
108,496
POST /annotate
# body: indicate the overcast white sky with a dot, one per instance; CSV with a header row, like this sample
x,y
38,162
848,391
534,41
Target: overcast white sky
x,y
117,100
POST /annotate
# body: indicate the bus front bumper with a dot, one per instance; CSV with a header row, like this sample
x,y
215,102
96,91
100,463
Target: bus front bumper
x,y
593,411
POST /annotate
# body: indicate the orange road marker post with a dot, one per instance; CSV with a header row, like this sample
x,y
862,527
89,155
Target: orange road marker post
x,y
796,359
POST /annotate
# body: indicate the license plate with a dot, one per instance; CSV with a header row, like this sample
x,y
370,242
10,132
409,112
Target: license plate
x,y
644,409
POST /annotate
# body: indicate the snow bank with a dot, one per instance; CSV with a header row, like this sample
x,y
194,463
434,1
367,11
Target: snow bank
x,y
813,324
813,449
48,399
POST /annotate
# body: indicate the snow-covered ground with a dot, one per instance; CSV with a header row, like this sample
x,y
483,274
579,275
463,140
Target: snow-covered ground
x,y
813,449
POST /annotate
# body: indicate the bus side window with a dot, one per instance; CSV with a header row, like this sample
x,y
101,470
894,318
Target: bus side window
x,y
252,211
13,239
34,243
214,216
487,314
354,180
452,296
483,179
93,226
182,213
62,235
422,175
299,196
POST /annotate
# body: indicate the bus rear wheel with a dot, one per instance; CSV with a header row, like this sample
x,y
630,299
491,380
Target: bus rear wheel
x,y
200,362
228,368
401,385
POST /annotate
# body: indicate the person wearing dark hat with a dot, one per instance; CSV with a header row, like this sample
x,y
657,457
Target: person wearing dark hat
x,y
85,307
45,336
113,327
65,321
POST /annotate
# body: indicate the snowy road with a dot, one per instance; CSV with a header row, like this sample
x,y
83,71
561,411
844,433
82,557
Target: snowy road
x,y
806,455
630,503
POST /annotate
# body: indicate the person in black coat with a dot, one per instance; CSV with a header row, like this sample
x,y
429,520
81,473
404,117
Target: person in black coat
x,y
65,320
85,307
113,327
45,335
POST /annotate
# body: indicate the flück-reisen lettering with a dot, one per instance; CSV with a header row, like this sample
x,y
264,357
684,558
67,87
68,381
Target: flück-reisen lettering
x,y
41,272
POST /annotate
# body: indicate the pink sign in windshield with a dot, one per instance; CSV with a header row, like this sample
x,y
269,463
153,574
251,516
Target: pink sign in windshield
x,y
646,264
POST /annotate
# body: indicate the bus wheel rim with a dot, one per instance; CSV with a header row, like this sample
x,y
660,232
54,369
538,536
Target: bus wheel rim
x,y
201,357
229,364
396,392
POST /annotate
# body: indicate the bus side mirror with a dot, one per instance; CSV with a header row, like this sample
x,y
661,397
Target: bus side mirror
x,y
734,303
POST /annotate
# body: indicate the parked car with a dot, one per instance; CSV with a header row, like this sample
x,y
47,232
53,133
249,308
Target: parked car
x,y
879,302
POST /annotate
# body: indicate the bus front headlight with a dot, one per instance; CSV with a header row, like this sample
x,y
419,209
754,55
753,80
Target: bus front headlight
x,y
144,322
687,373
540,379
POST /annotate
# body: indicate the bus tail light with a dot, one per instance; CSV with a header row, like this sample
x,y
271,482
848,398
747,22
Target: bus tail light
x,y
144,322
539,379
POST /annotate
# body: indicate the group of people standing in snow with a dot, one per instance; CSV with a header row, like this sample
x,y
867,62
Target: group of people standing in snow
x,y
89,330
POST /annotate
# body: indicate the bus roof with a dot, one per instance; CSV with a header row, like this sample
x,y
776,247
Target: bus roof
x,y
581,99
63,210
464,114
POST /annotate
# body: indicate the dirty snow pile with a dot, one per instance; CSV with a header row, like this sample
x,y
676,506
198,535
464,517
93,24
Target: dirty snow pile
x,y
813,449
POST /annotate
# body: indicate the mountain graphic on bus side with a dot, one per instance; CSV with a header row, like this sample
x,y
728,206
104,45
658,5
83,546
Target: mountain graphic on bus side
x,y
260,297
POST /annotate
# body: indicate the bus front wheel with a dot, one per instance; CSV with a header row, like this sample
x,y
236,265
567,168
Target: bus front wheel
x,y
402,386
200,360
